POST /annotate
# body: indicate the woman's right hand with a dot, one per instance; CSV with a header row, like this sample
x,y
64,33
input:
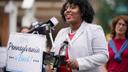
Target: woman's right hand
x,y
49,68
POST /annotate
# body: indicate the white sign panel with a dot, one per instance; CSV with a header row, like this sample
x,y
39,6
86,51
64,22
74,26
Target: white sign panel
x,y
3,56
25,52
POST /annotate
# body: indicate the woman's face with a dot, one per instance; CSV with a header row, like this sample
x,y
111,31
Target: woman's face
x,y
121,27
72,14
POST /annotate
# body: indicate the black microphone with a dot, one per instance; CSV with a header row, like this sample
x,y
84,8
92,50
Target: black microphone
x,y
52,22
60,58
44,27
62,51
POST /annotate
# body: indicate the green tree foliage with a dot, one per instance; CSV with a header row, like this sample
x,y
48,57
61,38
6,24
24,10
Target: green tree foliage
x,y
107,11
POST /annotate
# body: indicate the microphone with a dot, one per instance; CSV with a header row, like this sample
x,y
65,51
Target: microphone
x,y
53,22
62,51
56,60
44,27
60,58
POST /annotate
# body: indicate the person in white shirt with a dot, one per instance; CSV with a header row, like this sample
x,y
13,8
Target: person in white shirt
x,y
86,50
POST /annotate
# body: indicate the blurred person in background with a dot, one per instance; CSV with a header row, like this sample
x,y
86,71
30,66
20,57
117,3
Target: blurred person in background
x,y
25,29
86,50
118,45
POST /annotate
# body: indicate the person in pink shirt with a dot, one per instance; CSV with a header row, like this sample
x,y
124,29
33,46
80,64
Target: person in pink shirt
x,y
118,45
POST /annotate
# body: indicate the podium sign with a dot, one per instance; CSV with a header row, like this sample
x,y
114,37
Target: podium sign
x,y
3,56
25,52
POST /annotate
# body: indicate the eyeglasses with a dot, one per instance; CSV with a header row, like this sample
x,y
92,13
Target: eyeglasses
x,y
122,24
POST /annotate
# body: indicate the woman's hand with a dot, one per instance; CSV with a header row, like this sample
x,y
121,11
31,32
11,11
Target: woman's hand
x,y
49,68
72,63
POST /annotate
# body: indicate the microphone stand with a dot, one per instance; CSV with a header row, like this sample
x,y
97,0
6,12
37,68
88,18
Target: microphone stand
x,y
51,37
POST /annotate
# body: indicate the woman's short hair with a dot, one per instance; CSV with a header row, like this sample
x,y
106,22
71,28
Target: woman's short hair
x,y
86,9
114,23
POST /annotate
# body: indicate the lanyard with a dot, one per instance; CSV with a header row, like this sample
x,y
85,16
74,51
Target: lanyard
x,y
117,56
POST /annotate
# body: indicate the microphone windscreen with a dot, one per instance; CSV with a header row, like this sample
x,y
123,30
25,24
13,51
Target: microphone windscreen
x,y
35,24
54,21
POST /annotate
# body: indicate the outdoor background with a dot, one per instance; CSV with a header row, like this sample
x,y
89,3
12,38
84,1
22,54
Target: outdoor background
x,y
14,15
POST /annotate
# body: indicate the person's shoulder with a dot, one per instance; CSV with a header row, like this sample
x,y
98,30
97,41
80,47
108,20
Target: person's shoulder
x,y
64,29
94,26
